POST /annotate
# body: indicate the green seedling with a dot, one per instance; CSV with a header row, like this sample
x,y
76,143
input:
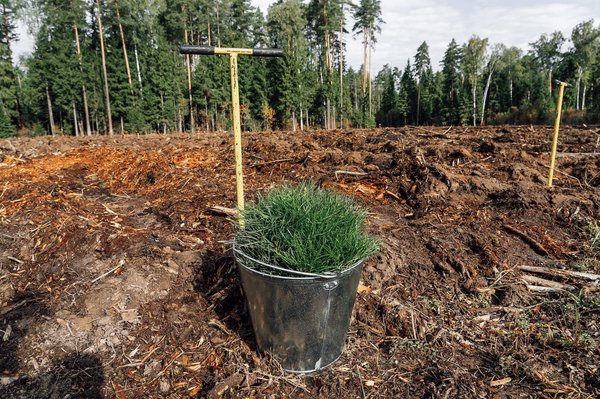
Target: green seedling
x,y
305,228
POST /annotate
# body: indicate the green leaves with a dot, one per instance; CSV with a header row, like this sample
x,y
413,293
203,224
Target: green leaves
x,y
305,228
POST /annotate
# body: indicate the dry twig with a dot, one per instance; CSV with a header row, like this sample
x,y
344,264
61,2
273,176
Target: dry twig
x,y
121,263
545,283
559,272
348,172
536,246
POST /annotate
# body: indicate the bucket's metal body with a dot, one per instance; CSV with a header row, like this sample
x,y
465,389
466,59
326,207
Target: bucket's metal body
x,y
302,321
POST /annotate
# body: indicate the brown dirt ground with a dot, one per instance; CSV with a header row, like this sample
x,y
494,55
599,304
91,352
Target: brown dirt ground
x,y
116,280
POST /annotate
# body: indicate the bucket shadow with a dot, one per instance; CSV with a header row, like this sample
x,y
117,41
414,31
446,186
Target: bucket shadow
x,y
16,319
216,278
73,376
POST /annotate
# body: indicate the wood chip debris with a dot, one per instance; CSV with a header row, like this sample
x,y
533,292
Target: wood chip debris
x,y
500,382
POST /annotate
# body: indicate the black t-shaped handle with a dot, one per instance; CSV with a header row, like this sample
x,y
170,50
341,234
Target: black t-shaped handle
x,y
211,50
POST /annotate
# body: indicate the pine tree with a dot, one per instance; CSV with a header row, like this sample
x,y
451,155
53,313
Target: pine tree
x,y
6,128
451,84
367,17
388,112
9,105
408,91
422,72
473,61
286,25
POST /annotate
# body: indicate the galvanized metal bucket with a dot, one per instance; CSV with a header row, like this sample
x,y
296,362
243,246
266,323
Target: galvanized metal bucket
x,y
301,318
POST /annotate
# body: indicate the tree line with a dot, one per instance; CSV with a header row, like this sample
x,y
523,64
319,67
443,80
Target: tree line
x,y
480,83
112,66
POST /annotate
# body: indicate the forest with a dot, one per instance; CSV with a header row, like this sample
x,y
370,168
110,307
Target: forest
x,y
113,66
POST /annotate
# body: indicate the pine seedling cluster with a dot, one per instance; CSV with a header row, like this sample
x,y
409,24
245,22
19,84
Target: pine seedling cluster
x,y
305,228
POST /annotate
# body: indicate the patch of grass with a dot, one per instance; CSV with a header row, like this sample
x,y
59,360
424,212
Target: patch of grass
x,y
305,228
585,264
592,232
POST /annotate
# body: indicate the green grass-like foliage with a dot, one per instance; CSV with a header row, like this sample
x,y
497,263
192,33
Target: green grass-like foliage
x,y
305,228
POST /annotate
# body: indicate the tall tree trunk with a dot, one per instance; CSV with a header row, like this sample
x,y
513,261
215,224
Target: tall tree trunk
x,y
485,93
86,110
328,114
341,56
583,97
474,90
328,66
139,72
418,101
369,76
218,27
578,84
124,47
106,93
301,120
365,45
208,32
75,120
510,85
206,112
550,80
6,31
189,76
355,92
50,112
19,111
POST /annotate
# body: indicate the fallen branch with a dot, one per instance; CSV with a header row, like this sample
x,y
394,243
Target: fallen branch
x,y
560,272
224,211
141,362
545,283
20,262
536,246
544,290
391,194
272,162
167,367
578,154
348,172
10,308
121,263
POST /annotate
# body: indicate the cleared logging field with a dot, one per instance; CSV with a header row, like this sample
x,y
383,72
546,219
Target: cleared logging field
x,y
115,280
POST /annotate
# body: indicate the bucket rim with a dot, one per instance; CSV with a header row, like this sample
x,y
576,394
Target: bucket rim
x,y
304,276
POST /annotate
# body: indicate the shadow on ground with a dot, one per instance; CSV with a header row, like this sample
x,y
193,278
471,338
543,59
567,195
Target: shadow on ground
x,y
73,376
217,280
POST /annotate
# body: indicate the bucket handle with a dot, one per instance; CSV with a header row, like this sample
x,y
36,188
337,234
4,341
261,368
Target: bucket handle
x,y
281,269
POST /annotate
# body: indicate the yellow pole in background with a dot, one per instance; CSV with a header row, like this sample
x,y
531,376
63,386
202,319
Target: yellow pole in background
x,y
237,135
559,102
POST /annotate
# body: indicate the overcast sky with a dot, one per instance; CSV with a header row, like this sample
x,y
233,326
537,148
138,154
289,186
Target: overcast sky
x,y
410,22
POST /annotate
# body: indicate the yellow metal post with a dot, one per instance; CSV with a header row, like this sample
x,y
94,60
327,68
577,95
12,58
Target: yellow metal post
x,y
237,134
559,102
235,103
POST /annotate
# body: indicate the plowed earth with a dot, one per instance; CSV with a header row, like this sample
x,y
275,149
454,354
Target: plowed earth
x,y
116,280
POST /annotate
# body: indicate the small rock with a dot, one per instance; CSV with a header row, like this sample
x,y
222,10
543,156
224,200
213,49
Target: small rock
x,y
7,333
104,321
230,382
189,257
130,316
151,369
164,386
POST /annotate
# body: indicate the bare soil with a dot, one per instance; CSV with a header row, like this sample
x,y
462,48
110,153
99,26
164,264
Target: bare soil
x,y
116,280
